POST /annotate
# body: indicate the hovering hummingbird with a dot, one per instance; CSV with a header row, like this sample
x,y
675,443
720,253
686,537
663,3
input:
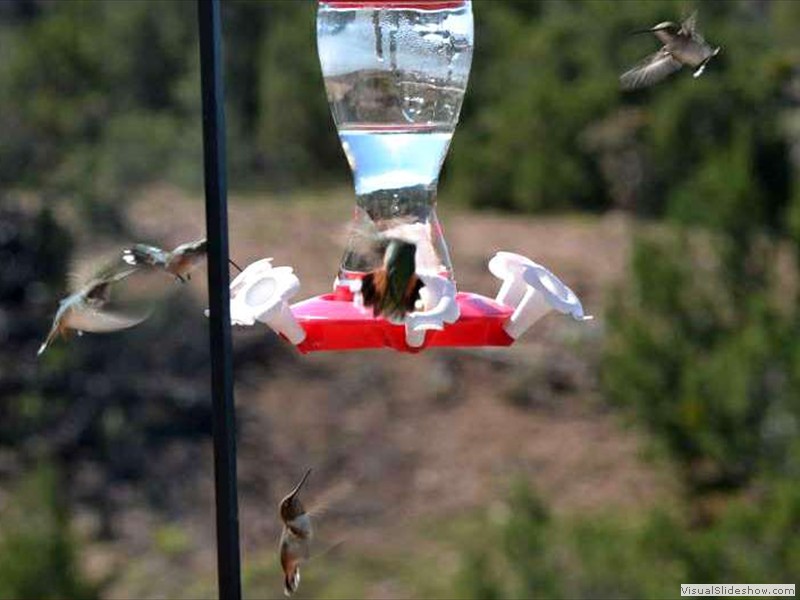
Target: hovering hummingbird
x,y
83,309
180,262
683,45
393,289
296,537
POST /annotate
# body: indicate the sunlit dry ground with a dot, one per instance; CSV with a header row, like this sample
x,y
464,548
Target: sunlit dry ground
x,y
398,443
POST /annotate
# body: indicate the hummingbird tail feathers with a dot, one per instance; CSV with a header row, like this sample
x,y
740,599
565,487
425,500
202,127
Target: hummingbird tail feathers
x,y
373,289
291,581
377,291
700,69
45,344
48,340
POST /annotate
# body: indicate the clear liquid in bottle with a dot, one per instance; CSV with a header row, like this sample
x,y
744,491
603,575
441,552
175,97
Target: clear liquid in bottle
x,y
395,76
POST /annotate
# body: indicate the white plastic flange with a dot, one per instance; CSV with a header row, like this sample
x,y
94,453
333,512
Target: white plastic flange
x,y
509,270
261,293
438,296
533,291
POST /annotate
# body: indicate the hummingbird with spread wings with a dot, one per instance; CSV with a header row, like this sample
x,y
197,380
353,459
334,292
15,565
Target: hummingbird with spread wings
x,y
683,45
85,309
180,262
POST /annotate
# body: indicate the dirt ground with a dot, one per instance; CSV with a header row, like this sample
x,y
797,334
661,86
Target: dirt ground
x,y
397,441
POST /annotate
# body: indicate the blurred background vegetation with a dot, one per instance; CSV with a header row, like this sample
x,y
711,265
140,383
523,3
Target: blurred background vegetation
x,y
700,344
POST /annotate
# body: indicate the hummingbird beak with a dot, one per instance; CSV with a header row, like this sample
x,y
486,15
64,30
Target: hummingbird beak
x,y
650,29
294,492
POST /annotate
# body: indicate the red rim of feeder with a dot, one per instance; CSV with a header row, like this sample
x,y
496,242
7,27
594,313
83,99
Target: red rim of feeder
x,y
332,323
412,4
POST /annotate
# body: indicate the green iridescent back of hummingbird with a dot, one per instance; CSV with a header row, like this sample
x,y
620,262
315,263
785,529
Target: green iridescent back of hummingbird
x,y
393,289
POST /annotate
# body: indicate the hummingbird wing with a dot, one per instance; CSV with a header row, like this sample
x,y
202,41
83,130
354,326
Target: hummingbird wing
x,y
98,291
651,70
330,497
689,27
689,24
99,321
314,556
195,247
86,273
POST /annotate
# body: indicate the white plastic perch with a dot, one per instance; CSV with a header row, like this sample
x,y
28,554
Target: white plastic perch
x,y
532,290
439,306
261,293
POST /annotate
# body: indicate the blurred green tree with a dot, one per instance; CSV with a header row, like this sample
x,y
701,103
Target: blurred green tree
x,y
544,125
296,133
704,365
38,554
534,554
545,78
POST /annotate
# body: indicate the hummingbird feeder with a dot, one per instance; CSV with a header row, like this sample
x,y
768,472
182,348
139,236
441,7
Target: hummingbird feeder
x,y
395,75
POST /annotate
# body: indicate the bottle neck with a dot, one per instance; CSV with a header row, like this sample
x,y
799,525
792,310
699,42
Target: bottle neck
x,y
412,203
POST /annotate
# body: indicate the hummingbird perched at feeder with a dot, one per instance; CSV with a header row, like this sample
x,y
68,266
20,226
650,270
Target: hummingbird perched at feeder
x,y
683,45
83,310
180,262
296,537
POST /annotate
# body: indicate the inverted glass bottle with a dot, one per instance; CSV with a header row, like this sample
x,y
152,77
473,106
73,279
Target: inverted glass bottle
x,y
395,75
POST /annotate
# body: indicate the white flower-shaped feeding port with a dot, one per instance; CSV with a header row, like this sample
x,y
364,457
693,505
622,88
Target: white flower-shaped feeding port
x,y
439,306
533,291
261,293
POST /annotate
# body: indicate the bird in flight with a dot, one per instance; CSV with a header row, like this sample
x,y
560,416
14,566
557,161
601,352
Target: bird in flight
x,y
682,46
180,262
85,309
296,537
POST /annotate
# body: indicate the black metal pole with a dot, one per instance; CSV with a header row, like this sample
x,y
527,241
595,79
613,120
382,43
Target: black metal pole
x,y
230,587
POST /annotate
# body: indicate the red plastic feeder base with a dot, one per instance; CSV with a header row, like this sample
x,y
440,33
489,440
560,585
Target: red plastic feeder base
x,y
333,323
